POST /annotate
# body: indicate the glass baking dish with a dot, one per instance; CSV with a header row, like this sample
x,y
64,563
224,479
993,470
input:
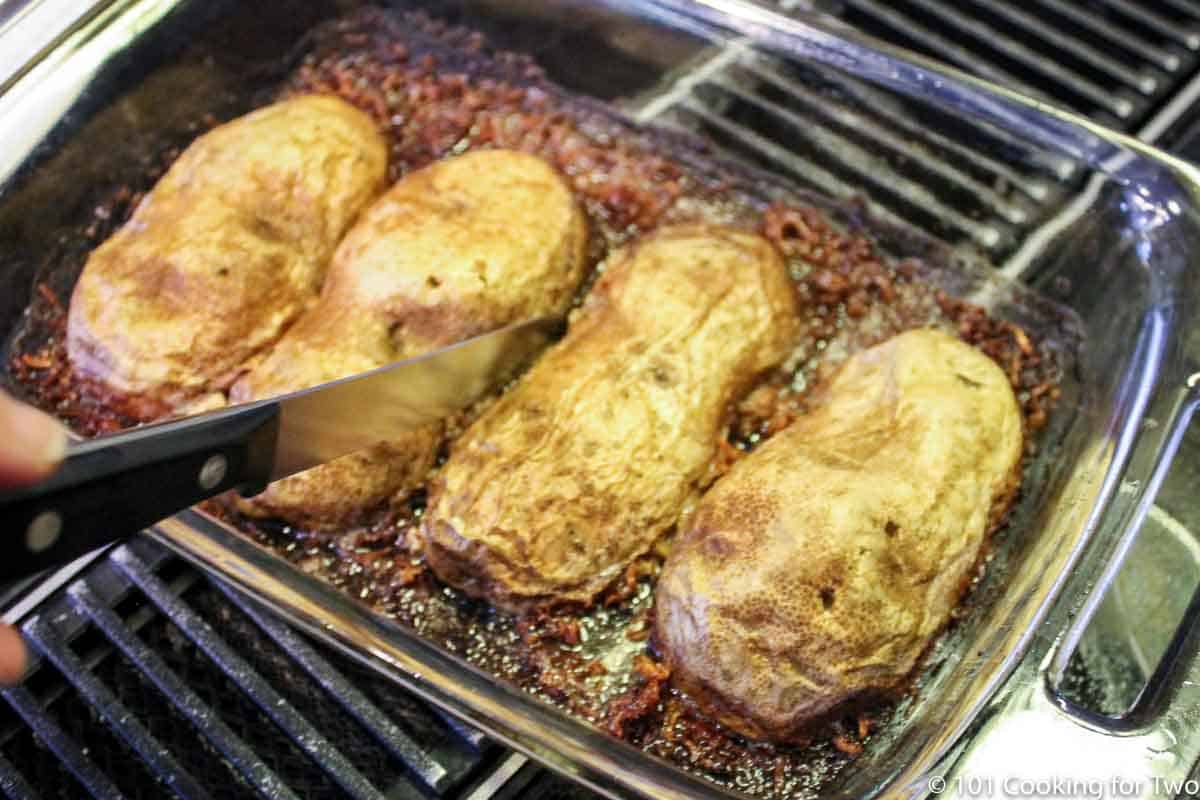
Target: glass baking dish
x,y
93,91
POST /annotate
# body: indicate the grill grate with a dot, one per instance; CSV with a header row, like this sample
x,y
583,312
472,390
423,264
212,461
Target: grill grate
x,y
1113,60
843,138
1116,61
151,681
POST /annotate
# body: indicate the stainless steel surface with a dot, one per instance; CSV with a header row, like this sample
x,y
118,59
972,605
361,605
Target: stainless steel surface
x,y
319,424
988,703
46,66
29,28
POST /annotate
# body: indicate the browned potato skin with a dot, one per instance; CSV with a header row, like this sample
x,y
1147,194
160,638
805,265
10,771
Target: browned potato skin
x,y
818,570
223,254
453,250
584,464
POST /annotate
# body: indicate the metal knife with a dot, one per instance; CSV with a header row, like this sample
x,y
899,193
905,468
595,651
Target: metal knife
x,y
113,486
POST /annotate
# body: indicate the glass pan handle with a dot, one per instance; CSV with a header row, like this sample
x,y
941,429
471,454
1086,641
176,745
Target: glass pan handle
x,y
1155,696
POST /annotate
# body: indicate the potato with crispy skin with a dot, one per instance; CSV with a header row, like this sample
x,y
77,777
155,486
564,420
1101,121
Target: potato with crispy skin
x,y
453,250
583,465
226,251
814,574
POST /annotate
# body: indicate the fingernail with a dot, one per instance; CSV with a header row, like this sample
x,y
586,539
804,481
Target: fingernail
x,y
38,437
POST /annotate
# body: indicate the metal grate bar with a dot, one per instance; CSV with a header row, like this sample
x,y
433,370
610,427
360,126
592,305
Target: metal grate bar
x,y
68,752
1185,6
868,97
1122,37
868,167
945,48
1103,97
886,138
13,783
106,704
266,783
397,742
306,737
1142,80
812,174
1169,28
472,737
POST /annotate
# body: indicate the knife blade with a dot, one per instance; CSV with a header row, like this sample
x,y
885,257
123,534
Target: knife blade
x,y
113,486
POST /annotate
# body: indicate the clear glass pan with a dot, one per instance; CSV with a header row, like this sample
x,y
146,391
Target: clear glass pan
x,y
91,89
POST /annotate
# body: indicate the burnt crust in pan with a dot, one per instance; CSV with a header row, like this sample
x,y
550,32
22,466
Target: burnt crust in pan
x,y
436,91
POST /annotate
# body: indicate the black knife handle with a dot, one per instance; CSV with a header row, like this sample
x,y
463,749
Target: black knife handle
x,y
113,486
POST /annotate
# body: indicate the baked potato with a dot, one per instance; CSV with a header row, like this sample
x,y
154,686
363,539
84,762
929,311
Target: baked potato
x,y
591,457
814,575
223,255
453,250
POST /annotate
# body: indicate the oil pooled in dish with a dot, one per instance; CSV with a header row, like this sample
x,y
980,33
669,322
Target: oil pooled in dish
x,y
227,250
453,250
814,575
578,470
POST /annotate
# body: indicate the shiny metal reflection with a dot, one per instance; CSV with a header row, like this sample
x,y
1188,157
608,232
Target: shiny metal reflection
x,y
319,424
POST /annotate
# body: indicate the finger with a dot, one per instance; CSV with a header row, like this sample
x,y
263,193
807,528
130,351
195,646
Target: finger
x,y
13,658
31,443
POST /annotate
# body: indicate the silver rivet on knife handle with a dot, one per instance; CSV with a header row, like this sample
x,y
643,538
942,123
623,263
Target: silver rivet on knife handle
x,y
43,531
213,472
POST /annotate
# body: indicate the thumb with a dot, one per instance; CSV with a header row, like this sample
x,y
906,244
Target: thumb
x,y
14,659
31,443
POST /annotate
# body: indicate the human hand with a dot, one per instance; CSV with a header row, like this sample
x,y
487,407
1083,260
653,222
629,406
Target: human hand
x,y
31,446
